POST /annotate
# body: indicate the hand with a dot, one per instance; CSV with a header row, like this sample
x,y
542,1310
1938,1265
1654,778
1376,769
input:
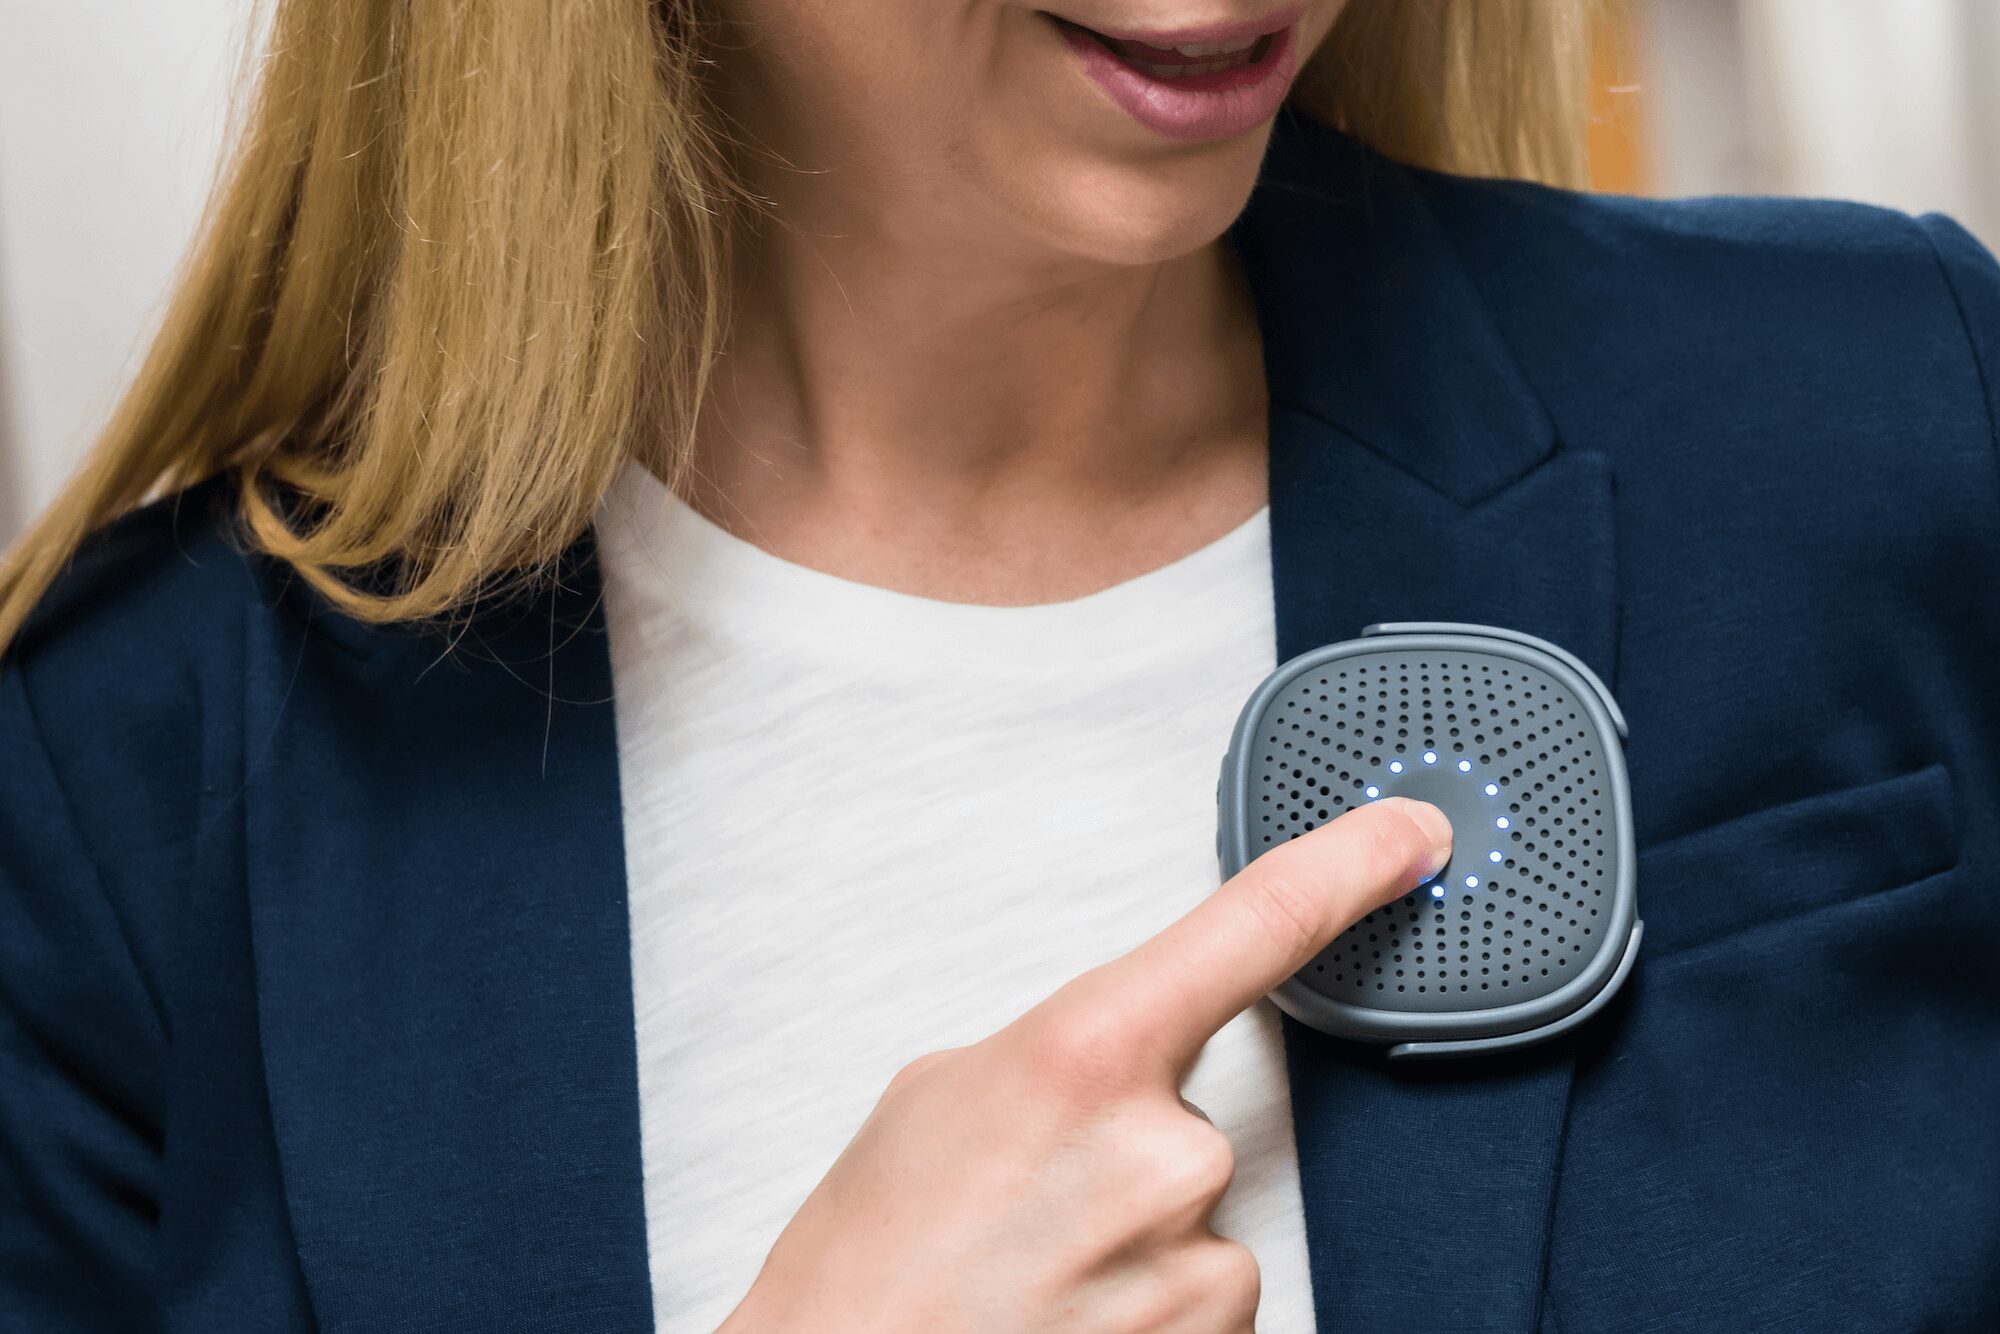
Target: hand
x,y
1049,1177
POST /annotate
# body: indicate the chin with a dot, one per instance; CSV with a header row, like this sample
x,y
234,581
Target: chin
x,y
1147,207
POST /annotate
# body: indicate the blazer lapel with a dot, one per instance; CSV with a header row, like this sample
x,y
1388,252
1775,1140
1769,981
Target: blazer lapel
x,y
436,879
1415,476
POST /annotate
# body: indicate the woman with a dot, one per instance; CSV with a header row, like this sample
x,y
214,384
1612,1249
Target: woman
x,y
929,422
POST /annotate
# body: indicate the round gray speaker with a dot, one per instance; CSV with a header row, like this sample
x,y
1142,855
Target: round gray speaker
x,y
1534,923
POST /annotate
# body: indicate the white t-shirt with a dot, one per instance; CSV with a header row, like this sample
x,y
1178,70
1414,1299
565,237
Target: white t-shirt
x,y
861,825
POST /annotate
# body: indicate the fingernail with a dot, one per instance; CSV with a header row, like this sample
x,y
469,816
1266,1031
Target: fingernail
x,y
1436,828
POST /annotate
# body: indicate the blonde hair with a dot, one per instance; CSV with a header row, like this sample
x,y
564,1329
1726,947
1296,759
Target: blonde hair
x,y
465,252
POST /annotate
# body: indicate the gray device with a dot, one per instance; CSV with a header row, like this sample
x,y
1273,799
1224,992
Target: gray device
x,y
1533,924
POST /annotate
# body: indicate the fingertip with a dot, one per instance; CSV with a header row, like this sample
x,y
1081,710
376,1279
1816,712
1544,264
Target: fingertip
x,y
1436,827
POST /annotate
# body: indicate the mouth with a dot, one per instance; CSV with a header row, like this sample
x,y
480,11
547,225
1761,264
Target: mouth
x,y
1201,83
1181,56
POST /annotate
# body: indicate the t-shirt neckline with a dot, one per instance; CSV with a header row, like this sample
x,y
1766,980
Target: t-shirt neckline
x,y
668,551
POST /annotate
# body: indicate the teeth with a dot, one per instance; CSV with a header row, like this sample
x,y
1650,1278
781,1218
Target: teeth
x,y
1182,71
1236,60
1215,48
1226,55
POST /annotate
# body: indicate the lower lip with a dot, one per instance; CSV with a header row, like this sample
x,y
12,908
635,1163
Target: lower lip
x,y
1205,106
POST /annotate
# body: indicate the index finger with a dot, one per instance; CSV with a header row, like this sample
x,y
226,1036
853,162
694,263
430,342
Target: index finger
x,y
1173,991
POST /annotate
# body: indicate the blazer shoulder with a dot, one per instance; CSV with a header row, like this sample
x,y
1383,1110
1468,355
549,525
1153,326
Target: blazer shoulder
x,y
105,697
1751,309
143,601
163,555
1684,246
124,663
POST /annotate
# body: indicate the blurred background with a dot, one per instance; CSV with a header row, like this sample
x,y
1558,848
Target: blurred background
x,y
112,115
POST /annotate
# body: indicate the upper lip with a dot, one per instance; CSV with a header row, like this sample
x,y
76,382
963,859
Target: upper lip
x,y
1228,30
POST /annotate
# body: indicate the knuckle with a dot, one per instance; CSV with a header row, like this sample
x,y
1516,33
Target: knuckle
x,y
1211,1278
1196,1166
1081,1054
1235,1278
915,1069
1156,1300
1212,1162
1287,907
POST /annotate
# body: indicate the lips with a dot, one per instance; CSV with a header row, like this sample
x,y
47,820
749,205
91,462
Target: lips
x,y
1207,82
1179,59
1223,31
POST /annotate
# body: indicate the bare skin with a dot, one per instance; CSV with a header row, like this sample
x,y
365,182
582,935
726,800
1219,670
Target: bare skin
x,y
989,346
909,459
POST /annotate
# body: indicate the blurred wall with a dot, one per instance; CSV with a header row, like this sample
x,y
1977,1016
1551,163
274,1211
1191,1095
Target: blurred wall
x,y
1890,101
111,116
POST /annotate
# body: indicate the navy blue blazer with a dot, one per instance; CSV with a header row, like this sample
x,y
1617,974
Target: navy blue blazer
x,y
315,1004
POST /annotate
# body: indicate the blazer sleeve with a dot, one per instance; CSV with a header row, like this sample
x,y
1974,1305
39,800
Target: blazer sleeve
x,y
1973,275
82,1061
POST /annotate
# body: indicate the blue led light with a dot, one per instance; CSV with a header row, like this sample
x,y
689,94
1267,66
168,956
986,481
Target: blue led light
x,y
1395,766
1493,856
1492,789
1500,823
1373,792
1472,882
1465,766
1430,757
1437,891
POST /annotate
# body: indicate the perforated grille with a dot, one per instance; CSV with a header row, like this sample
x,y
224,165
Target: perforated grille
x,y
1511,756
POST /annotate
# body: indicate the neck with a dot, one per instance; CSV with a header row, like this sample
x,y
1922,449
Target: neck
x,y
979,410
